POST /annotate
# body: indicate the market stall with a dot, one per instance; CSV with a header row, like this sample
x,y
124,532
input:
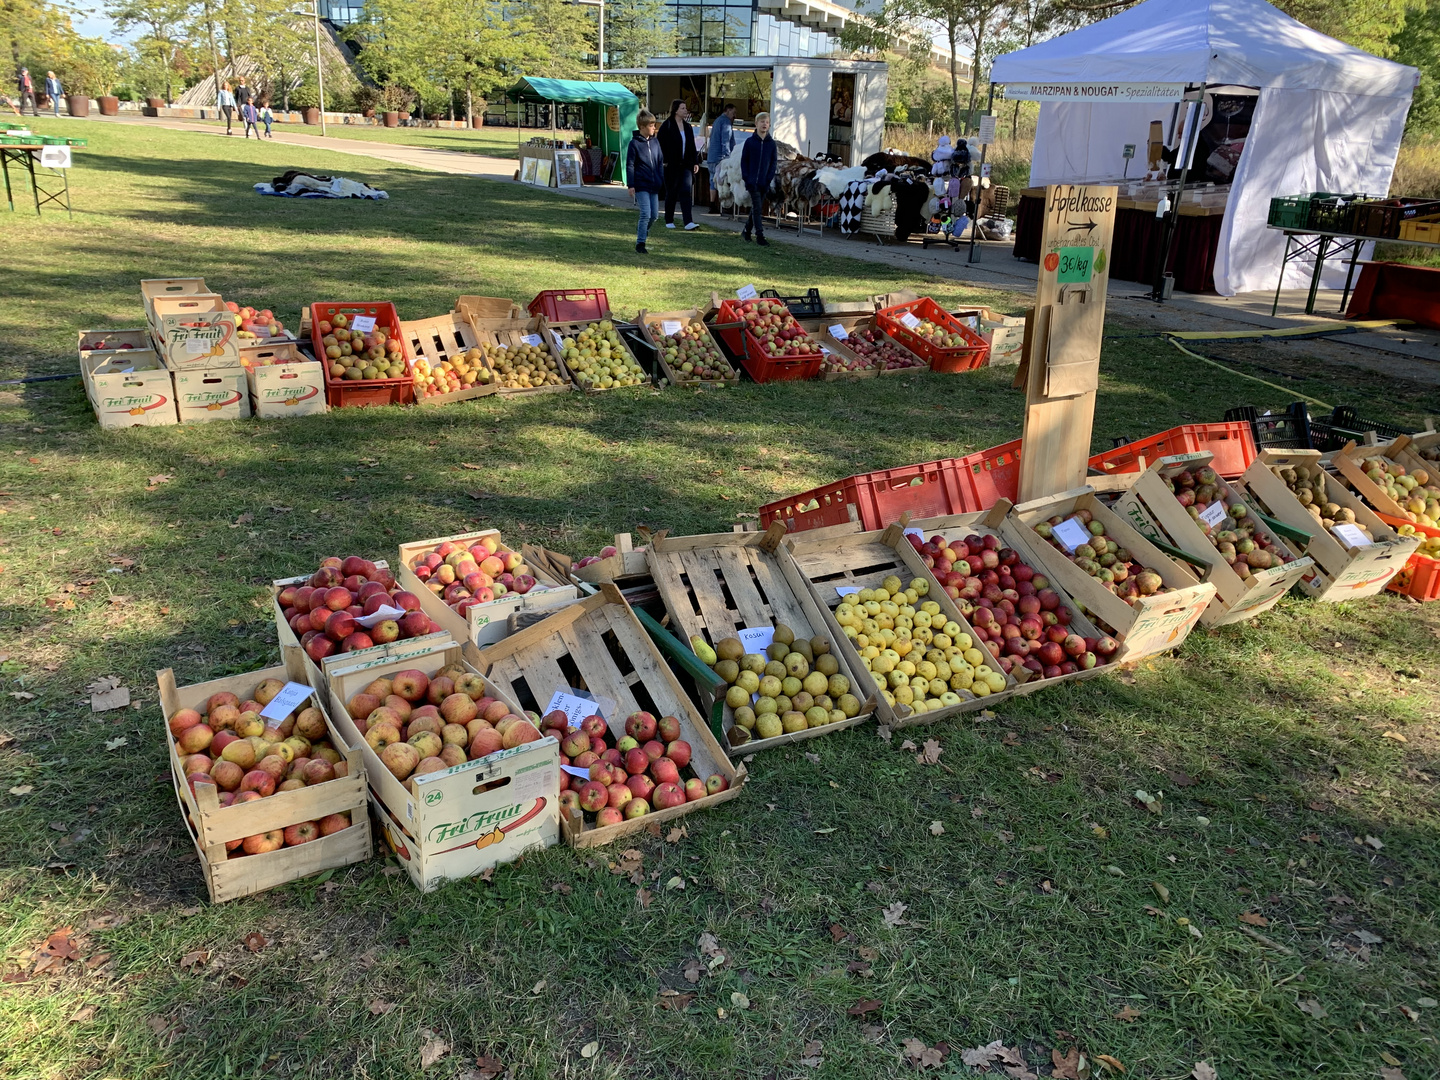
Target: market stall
x,y
609,120
1250,103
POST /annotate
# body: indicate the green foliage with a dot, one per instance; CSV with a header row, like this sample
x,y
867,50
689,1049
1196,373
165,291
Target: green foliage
x,y
636,30
90,66
1367,24
1417,43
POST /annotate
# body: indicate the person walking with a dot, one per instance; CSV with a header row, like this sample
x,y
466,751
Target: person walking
x,y
757,167
243,95
266,116
226,100
27,92
251,116
645,171
722,141
53,91
682,162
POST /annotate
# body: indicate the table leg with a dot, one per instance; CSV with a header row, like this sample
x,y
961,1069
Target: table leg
x,y
1350,275
34,184
1284,261
5,164
1320,250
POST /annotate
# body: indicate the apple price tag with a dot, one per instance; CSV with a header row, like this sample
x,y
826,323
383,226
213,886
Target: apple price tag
x,y
531,339
556,335
757,639
671,327
583,774
1071,533
838,332
909,320
286,701
195,346
574,707
746,292
847,590
915,532
379,615
1213,514
1351,535
362,324
824,351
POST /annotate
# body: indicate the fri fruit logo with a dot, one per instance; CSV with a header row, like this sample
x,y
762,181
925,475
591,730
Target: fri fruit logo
x,y
488,823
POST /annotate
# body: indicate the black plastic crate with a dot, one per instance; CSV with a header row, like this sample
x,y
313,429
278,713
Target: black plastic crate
x,y
1333,215
1289,430
1346,421
800,306
1382,220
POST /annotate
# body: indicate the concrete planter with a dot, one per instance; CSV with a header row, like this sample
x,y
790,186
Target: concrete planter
x,y
155,103
109,105
77,104
392,119
312,116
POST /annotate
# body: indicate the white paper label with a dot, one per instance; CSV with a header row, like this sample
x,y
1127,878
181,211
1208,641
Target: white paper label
x,y
574,708
909,320
380,614
556,335
915,532
671,327
987,130
583,774
1213,514
824,351
196,346
1071,533
1350,535
532,339
55,157
286,701
362,324
847,590
838,332
746,292
757,639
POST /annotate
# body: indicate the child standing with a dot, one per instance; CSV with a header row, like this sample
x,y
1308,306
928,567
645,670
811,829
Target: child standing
x,y
645,170
266,116
251,116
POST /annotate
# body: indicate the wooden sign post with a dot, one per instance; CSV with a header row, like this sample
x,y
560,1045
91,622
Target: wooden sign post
x,y
1061,367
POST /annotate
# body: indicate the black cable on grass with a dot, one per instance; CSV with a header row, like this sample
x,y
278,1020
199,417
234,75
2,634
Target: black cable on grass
x,y
38,378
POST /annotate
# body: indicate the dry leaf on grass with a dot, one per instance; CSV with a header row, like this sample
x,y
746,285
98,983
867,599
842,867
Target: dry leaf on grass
x,y
1254,919
929,754
884,732
675,1001
739,1000
193,960
1010,738
432,1049
676,882
1128,1015
894,913
1365,937
675,835
1161,891
937,828
381,1008
1311,1007
487,1067
838,933
22,789
867,953
82,1014
692,970
1388,1073
115,744
863,1006
22,695
1204,1071
590,1049
922,1056
1409,1014
1072,1066
255,941
643,897
810,1055
1111,1064
1374,842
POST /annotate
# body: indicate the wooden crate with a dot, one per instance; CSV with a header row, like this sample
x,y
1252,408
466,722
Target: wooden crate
x,y
652,323
444,825
488,307
1347,461
1144,626
211,825
484,623
509,332
626,565
716,585
556,332
822,329
437,340
319,674
1150,507
1342,571
829,560
598,645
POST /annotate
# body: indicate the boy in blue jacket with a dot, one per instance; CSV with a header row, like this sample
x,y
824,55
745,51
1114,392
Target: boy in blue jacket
x,y
757,167
645,169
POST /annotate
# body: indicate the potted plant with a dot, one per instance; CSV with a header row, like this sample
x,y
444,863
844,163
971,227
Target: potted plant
x,y
396,102
366,99
306,98
155,102
477,118
93,69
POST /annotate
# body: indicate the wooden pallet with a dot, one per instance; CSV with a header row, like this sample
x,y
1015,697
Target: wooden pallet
x,y
716,585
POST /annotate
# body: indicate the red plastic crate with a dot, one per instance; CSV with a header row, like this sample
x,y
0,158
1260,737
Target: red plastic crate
x,y
931,489
571,305
1231,443
351,393
760,366
947,361
989,476
1420,579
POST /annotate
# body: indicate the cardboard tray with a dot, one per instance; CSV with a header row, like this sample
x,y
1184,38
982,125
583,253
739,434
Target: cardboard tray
x,y
715,585
142,398
203,394
598,645
228,878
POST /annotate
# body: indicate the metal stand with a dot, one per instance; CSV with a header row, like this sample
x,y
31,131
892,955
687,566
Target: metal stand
x,y
44,194
979,192
1320,245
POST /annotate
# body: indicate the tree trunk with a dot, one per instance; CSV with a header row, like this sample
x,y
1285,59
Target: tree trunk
x,y
979,36
954,32
1015,123
469,101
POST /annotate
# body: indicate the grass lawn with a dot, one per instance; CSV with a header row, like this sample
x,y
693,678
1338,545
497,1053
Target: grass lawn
x,y
1297,756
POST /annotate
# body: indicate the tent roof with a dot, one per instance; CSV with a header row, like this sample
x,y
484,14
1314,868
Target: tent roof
x,y
1245,42
570,90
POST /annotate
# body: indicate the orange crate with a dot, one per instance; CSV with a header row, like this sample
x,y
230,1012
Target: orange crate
x,y
758,364
571,305
874,499
989,476
976,353
1231,443
1421,576
346,393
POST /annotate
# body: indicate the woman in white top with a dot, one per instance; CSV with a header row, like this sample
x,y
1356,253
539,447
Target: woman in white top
x,y
226,100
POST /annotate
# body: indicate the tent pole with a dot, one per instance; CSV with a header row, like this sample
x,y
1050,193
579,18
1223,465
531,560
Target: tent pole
x,y
1172,218
975,221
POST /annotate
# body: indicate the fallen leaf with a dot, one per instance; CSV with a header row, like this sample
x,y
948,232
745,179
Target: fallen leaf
x,y
810,1055
477,468
709,945
22,695
814,759
930,754
22,789
590,1049
1254,919
1181,778
562,888
380,1008
152,482
432,1050
1389,1058
977,811
1161,891
255,941
84,1013
538,987
859,967
643,897
1365,937
1311,1007
1311,838
674,1001
674,836
1069,1067
979,1057
115,744
112,698
1318,807
863,1006
937,829
1114,871
487,1068
1203,1070
1128,1015
676,882
1427,1002
884,732
867,953
1387,1073
1374,842
893,914
693,970
739,1000
1111,1064
908,745
193,960
838,933
1394,735
1010,738
1409,1014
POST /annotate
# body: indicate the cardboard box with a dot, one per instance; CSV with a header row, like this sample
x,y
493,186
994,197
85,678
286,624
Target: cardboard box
x,y
195,332
1342,571
204,394
456,823
228,876
1144,626
143,398
598,646
485,623
109,364
152,289
271,352
1151,509
284,390
99,341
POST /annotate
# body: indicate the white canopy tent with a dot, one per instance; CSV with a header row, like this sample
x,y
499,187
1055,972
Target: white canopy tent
x,y
1329,116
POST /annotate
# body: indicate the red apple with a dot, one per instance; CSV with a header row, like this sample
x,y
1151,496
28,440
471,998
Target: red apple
x,y
640,726
668,795
679,752
695,789
715,783
302,833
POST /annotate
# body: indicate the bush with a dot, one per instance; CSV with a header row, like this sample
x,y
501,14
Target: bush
x,y
305,96
365,99
397,99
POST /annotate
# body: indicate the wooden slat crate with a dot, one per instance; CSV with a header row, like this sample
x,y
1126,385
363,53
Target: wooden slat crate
x,y
653,325
716,585
437,340
598,645
556,332
513,332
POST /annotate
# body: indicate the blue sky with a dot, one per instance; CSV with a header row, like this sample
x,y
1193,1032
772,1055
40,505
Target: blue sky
x,y
93,23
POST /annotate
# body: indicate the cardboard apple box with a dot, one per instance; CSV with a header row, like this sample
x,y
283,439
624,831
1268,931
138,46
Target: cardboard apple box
x,y
195,331
152,289
1150,507
205,393
228,875
284,390
1144,626
144,397
459,822
90,341
112,366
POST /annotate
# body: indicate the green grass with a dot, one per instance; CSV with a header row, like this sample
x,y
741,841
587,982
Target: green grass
x,y
1031,919
490,141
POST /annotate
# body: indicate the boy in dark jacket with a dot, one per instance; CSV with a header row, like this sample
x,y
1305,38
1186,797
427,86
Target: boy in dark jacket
x,y
757,167
645,170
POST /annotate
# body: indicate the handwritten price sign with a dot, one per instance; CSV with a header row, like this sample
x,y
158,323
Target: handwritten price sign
x,y
1075,265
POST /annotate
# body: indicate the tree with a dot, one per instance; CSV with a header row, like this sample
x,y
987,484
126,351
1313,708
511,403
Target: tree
x,y
165,21
1419,46
566,34
35,32
1031,21
636,30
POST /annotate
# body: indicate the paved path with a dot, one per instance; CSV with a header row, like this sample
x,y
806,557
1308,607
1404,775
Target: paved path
x,y
1417,351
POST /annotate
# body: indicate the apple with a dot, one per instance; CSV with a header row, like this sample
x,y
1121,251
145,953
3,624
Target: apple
x,y
302,833
641,785
679,752
640,726
197,763
194,739
668,795
182,719
667,729
484,742
227,775
636,807
385,631
333,823
594,726
715,783
665,772
695,790
400,758
264,842
258,781
593,796
608,815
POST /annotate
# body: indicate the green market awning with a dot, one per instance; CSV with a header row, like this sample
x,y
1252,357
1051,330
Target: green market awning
x,y
610,110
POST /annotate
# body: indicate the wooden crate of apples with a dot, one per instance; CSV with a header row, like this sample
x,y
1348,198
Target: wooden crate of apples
x,y
689,354
596,355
